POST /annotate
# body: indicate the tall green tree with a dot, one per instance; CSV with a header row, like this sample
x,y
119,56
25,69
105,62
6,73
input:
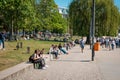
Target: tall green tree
x,y
50,17
106,16
17,14
79,13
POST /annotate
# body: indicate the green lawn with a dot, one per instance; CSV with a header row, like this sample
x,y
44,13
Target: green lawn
x,y
10,56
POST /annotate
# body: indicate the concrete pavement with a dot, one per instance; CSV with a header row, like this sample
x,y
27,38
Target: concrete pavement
x,y
109,63
78,66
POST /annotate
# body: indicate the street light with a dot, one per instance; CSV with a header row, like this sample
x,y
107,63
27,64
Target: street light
x,y
93,28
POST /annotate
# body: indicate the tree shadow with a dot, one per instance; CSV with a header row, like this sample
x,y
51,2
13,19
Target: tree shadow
x,y
72,60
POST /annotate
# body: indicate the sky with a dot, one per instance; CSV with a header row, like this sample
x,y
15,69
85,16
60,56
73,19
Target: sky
x,y
62,3
117,3
65,3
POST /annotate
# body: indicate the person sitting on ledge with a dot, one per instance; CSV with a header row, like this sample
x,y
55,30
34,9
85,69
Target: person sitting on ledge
x,y
39,59
61,49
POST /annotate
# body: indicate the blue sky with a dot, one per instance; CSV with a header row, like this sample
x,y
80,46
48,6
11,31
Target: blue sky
x,y
117,3
62,3
65,3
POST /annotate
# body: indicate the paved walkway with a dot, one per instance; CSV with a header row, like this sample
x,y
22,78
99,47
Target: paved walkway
x,y
109,63
78,66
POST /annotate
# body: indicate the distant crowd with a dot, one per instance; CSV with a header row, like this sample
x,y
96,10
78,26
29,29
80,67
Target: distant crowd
x,y
109,43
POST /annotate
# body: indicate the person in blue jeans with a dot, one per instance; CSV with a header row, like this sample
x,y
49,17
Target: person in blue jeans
x,y
61,49
0,44
112,44
55,51
82,45
2,39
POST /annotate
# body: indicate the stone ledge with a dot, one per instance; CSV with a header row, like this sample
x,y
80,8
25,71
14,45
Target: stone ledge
x,y
19,71
16,72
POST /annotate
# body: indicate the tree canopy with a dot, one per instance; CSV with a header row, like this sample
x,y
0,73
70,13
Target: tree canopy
x,y
30,15
107,17
50,17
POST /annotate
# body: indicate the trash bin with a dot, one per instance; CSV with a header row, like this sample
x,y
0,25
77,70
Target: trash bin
x,y
97,46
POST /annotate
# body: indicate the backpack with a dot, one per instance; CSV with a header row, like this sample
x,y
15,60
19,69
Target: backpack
x,y
31,58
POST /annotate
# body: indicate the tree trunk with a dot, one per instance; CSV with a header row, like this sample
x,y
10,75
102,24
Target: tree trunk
x,y
11,30
88,40
23,32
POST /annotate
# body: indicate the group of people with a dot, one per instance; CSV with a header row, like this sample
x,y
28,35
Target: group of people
x,y
54,50
110,43
61,49
57,50
37,57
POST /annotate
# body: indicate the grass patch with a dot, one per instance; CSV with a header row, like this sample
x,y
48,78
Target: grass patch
x,y
11,57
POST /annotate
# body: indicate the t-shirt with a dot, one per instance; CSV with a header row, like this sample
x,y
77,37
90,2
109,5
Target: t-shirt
x,y
82,42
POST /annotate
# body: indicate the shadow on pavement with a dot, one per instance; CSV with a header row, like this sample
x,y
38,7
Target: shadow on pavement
x,y
72,60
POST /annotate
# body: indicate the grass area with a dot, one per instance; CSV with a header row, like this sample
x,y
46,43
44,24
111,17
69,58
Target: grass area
x,y
10,56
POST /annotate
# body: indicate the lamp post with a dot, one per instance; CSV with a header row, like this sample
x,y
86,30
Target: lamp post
x,y
93,28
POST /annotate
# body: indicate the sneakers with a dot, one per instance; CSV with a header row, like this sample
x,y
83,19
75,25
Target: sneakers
x,y
43,68
46,66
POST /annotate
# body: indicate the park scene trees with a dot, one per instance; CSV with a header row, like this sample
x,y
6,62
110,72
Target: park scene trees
x,y
43,15
107,17
32,16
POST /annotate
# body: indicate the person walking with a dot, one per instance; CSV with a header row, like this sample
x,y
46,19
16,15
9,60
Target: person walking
x,y
82,45
113,44
2,39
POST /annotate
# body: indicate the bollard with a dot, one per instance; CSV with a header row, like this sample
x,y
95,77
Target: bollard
x,y
17,46
21,44
28,49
